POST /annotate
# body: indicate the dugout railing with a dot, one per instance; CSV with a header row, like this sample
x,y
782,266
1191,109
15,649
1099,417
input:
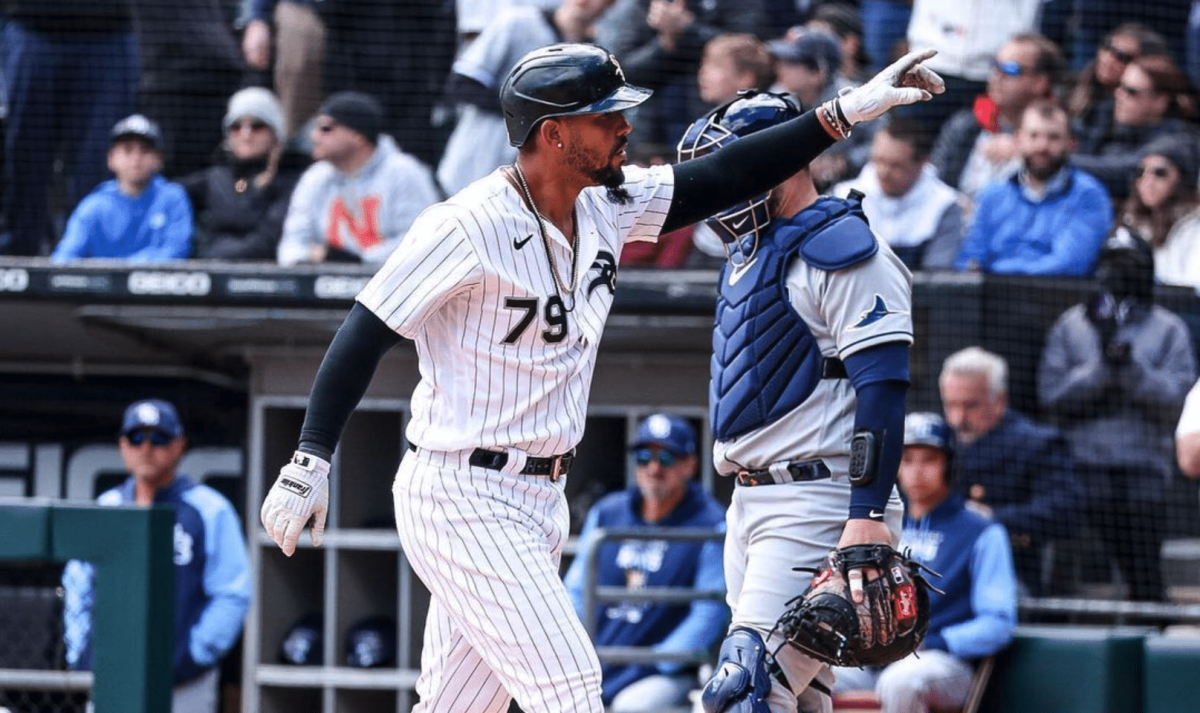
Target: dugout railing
x,y
594,594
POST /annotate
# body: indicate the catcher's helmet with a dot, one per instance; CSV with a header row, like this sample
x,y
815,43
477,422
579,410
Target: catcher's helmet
x,y
738,227
564,79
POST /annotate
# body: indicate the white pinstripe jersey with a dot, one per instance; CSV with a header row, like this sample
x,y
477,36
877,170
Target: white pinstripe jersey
x,y
502,361
847,311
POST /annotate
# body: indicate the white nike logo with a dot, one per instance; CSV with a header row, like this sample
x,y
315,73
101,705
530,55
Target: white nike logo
x,y
738,225
737,272
875,515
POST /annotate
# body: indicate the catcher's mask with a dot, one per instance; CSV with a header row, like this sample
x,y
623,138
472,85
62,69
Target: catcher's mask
x,y
925,428
741,226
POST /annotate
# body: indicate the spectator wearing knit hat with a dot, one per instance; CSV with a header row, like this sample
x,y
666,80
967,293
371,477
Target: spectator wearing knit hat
x,y
240,201
362,194
1164,208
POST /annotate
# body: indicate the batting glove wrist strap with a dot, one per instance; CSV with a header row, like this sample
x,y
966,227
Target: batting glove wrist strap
x,y
905,81
299,497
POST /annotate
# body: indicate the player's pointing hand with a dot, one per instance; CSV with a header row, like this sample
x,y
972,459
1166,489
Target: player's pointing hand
x,y
905,81
300,495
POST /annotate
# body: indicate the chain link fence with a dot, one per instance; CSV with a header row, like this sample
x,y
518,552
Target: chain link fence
x,y
33,677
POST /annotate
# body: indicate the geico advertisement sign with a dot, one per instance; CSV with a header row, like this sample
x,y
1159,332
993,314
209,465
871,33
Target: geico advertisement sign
x,y
14,280
156,282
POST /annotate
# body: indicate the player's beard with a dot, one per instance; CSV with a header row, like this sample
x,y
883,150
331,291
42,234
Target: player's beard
x,y
601,172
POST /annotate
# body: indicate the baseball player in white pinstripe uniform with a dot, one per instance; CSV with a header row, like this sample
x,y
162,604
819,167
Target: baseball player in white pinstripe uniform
x,y
504,289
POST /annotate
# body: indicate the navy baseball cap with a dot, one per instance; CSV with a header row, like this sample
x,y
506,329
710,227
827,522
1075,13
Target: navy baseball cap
x,y
138,126
667,432
926,428
152,413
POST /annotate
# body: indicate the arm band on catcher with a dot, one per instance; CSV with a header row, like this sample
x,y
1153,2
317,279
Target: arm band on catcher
x,y
343,378
744,169
880,378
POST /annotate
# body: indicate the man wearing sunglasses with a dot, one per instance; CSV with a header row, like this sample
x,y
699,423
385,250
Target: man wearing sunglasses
x,y
976,144
664,495
212,572
362,194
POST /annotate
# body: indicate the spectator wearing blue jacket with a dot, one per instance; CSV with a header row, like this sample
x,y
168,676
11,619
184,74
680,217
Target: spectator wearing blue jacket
x,y
137,215
212,571
975,613
664,496
1049,218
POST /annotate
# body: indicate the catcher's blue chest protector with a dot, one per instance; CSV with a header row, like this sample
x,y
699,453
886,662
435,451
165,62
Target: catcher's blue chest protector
x,y
765,359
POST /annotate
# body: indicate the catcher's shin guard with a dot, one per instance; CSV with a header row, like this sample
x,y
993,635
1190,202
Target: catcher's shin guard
x,y
740,683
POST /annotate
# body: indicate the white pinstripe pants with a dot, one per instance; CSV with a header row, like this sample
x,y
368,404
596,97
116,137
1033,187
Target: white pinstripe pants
x,y
487,544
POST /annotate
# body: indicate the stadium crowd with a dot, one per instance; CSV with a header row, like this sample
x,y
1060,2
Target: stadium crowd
x,y
240,120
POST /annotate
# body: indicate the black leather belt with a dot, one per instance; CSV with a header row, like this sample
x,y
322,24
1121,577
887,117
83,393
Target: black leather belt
x,y
832,368
794,472
554,467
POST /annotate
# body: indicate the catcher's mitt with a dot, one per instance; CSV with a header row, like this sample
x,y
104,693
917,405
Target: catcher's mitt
x,y
889,624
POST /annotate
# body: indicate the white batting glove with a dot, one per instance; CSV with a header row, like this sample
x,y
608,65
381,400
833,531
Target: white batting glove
x,y
300,495
905,81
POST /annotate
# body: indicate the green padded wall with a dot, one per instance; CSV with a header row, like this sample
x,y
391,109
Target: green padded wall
x,y
1172,665
132,549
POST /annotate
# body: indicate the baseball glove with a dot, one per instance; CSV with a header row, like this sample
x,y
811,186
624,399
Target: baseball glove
x,y
889,624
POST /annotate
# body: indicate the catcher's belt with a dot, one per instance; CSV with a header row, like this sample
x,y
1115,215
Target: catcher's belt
x,y
785,472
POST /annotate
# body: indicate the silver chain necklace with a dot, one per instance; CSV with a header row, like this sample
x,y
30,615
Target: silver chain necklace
x,y
562,287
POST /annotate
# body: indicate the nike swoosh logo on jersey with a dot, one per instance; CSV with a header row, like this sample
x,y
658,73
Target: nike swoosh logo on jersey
x,y
736,273
875,515
518,244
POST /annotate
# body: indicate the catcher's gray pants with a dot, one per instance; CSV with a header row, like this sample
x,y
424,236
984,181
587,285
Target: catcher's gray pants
x,y
771,530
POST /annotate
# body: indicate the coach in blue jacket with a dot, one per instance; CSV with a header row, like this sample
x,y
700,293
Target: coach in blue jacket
x,y
212,571
665,496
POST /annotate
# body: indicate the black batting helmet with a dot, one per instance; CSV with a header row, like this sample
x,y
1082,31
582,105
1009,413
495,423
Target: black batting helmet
x,y
371,643
564,79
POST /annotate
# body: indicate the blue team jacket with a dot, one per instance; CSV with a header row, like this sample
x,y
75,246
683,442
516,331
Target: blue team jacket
x,y
212,579
651,563
976,614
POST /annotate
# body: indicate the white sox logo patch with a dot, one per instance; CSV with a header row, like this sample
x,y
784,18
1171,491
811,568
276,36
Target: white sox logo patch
x,y
607,265
295,487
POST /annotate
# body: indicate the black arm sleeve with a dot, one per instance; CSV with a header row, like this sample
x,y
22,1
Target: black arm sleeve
x,y
744,169
345,372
